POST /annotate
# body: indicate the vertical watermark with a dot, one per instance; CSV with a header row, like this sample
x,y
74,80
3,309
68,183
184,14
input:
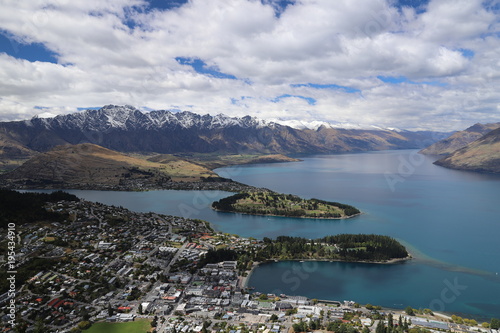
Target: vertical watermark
x,y
11,273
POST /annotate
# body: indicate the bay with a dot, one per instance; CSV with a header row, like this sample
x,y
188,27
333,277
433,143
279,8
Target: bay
x,y
450,221
391,285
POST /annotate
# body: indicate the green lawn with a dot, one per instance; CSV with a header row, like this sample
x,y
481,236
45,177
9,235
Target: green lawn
x,y
139,326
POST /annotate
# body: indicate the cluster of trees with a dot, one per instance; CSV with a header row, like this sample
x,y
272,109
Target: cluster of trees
x,y
366,247
215,256
392,327
331,247
312,326
344,246
493,324
340,327
271,203
348,210
226,204
17,207
25,272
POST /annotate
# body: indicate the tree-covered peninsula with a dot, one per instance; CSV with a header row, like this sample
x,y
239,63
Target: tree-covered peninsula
x,y
277,204
344,247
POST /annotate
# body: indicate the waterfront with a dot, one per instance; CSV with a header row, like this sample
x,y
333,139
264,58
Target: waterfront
x,y
448,219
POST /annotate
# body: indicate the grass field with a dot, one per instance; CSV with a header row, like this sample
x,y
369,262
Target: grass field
x,y
139,326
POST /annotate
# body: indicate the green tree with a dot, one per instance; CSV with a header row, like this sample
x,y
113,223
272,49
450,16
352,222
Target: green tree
x,y
83,325
110,310
300,327
410,311
405,325
380,327
40,326
495,323
390,322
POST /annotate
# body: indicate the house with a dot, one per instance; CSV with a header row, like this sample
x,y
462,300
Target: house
x,y
181,308
309,310
229,264
283,306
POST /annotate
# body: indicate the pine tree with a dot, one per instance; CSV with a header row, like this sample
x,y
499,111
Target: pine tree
x,y
380,327
390,322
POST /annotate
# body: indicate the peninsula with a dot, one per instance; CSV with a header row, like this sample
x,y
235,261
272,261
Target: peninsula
x,y
277,204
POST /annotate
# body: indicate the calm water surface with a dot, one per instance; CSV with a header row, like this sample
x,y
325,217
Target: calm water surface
x,y
450,221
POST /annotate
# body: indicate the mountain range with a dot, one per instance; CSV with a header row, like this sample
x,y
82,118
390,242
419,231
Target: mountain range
x,y
127,129
459,139
481,155
476,148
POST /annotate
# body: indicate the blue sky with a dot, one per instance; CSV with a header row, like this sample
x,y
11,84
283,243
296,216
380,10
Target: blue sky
x,y
21,50
406,64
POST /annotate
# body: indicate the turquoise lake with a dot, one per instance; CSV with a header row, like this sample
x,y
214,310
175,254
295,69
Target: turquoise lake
x,y
449,220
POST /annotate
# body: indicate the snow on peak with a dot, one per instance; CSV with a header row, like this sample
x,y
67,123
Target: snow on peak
x,y
128,117
316,124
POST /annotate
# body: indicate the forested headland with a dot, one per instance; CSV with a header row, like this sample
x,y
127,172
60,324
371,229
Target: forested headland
x,y
348,247
17,207
344,247
277,204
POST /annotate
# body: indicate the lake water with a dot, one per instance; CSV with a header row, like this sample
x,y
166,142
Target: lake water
x,y
449,220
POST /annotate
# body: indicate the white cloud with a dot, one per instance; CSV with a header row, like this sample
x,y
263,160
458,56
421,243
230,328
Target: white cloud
x,y
102,60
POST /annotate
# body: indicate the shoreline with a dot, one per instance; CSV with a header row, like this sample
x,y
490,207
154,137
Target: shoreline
x,y
231,187
291,217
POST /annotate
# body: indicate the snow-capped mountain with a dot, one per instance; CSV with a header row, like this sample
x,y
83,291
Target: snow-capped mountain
x,y
127,129
316,124
129,118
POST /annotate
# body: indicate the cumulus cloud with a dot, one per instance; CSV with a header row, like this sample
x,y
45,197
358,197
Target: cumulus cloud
x,y
124,52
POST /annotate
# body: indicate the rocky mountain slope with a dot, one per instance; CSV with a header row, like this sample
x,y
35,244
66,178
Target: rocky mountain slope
x,y
482,155
459,139
126,129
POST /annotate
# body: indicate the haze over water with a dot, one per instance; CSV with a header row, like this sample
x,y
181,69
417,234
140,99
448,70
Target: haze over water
x,y
448,219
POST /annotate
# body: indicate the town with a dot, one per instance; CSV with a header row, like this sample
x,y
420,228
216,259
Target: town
x,y
104,264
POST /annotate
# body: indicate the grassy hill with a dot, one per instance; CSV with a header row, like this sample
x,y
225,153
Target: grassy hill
x,y
94,165
482,155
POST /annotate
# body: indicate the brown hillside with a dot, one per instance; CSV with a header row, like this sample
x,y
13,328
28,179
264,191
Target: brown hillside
x,y
459,139
482,155
94,165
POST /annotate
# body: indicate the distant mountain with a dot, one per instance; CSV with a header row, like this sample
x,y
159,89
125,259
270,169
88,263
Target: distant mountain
x,y
482,155
459,139
126,129
77,166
